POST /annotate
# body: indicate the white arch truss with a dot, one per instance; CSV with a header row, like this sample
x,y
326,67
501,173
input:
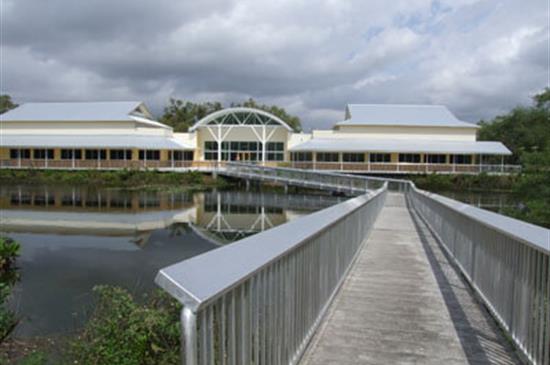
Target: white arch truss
x,y
219,124
240,116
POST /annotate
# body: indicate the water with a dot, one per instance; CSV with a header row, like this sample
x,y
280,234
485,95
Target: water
x,y
74,238
497,202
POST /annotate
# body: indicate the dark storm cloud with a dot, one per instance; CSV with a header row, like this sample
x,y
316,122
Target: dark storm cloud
x,y
478,57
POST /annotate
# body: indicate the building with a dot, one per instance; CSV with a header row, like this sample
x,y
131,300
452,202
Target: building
x,y
371,139
88,135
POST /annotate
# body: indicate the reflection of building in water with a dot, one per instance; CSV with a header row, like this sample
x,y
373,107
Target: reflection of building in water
x,y
86,199
229,216
219,216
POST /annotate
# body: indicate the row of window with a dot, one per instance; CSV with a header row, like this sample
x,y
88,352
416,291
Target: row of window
x,y
244,151
247,151
244,146
379,157
69,154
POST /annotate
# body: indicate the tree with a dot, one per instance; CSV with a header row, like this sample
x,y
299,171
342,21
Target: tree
x,y
542,100
6,103
292,121
181,115
523,130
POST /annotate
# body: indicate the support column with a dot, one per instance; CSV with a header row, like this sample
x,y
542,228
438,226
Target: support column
x,y
480,163
219,143
263,141
73,154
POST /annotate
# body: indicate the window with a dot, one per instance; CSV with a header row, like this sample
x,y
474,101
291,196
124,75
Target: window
x,y
461,159
353,157
210,146
24,153
275,146
210,156
327,157
95,154
181,155
149,155
435,159
42,154
67,154
409,157
275,151
274,156
379,157
120,154
301,156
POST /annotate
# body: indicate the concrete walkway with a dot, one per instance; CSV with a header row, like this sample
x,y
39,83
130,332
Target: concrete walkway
x,y
403,303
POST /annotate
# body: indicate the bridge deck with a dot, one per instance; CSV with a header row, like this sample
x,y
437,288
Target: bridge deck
x,y
403,303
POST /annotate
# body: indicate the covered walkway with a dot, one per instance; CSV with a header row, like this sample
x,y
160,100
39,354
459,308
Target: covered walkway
x,y
404,303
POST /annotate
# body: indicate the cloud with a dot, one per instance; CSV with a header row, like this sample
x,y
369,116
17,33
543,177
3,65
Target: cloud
x,y
479,57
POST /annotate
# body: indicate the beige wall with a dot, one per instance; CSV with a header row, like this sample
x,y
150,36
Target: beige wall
x,y
382,132
94,128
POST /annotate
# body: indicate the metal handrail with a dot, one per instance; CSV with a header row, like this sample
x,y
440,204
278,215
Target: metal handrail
x,y
261,298
506,261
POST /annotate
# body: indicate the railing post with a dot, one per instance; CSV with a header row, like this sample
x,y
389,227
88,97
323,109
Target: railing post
x,y
188,337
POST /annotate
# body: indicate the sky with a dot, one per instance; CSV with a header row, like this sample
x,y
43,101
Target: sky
x,y
480,58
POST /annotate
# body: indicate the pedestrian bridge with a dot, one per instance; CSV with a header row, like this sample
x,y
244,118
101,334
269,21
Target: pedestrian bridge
x,y
395,275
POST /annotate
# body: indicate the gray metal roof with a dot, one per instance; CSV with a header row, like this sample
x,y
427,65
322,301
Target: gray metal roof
x,y
85,111
403,146
94,141
401,115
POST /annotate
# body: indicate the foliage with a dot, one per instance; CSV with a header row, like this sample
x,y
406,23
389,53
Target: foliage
x,y
9,251
526,131
542,100
192,180
534,189
523,130
35,358
181,115
481,182
293,121
122,331
6,103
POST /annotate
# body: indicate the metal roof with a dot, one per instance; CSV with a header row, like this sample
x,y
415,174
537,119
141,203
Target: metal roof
x,y
78,111
401,115
403,146
93,141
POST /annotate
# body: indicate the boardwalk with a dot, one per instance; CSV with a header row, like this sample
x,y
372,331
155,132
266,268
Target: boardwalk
x,y
403,303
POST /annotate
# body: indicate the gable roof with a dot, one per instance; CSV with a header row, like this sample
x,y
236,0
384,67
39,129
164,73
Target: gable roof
x,y
401,115
111,111
401,146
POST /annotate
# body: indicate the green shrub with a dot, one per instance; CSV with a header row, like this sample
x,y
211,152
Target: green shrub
x,y
192,180
9,251
122,331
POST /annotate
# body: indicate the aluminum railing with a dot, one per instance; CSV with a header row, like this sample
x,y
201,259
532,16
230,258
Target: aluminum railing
x,y
259,300
407,168
506,261
322,180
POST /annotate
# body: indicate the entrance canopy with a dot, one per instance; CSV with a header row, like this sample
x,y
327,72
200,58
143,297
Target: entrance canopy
x,y
240,117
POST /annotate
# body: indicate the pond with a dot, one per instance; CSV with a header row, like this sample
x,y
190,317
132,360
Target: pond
x,y
74,238
494,201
